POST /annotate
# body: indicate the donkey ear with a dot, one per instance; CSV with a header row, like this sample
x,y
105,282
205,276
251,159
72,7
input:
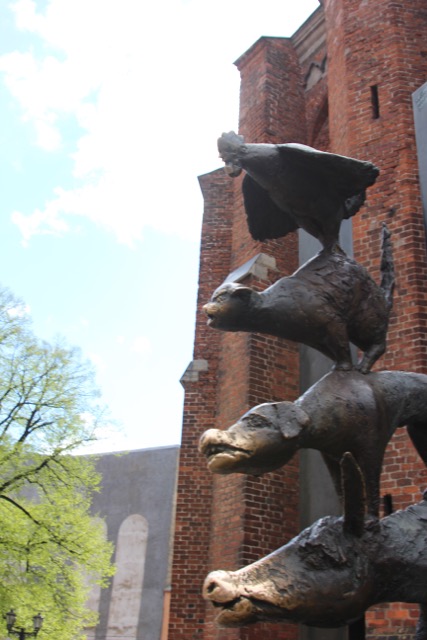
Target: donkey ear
x,y
354,492
291,419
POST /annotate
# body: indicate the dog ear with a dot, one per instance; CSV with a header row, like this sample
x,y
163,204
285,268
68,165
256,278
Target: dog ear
x,y
291,419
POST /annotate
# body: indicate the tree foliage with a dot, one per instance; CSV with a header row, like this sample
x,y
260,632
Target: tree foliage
x,y
51,549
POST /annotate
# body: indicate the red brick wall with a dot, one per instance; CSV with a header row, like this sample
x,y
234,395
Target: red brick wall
x,y
313,79
382,44
252,516
247,517
227,522
271,90
194,494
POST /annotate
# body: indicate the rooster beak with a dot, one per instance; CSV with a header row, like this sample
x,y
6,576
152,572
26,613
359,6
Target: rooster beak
x,y
232,170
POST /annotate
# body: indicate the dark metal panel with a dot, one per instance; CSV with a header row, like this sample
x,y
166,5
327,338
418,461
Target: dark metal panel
x,y
419,101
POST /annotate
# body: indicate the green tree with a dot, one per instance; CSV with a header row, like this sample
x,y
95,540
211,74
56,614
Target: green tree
x,y
51,549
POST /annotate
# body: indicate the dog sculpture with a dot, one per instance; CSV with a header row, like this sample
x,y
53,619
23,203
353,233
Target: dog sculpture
x,y
344,411
333,571
328,303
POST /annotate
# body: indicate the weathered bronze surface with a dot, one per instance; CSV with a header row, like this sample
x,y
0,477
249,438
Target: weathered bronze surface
x,y
288,186
328,303
333,571
336,569
344,411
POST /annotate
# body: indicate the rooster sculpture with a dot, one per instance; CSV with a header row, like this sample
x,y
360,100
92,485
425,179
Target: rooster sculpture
x,y
291,186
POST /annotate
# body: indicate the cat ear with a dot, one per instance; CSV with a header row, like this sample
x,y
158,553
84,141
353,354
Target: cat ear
x,y
291,419
242,292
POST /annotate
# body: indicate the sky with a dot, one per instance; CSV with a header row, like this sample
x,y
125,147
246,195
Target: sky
x,y
109,111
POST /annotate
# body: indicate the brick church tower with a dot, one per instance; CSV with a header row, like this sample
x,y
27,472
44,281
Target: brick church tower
x,y
350,81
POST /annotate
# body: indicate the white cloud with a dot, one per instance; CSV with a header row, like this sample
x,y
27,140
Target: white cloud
x,y
26,16
88,419
98,362
40,222
151,86
19,311
109,437
141,345
48,136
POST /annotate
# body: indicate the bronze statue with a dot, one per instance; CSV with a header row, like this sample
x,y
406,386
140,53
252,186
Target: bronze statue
x,y
332,571
328,303
344,411
288,186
